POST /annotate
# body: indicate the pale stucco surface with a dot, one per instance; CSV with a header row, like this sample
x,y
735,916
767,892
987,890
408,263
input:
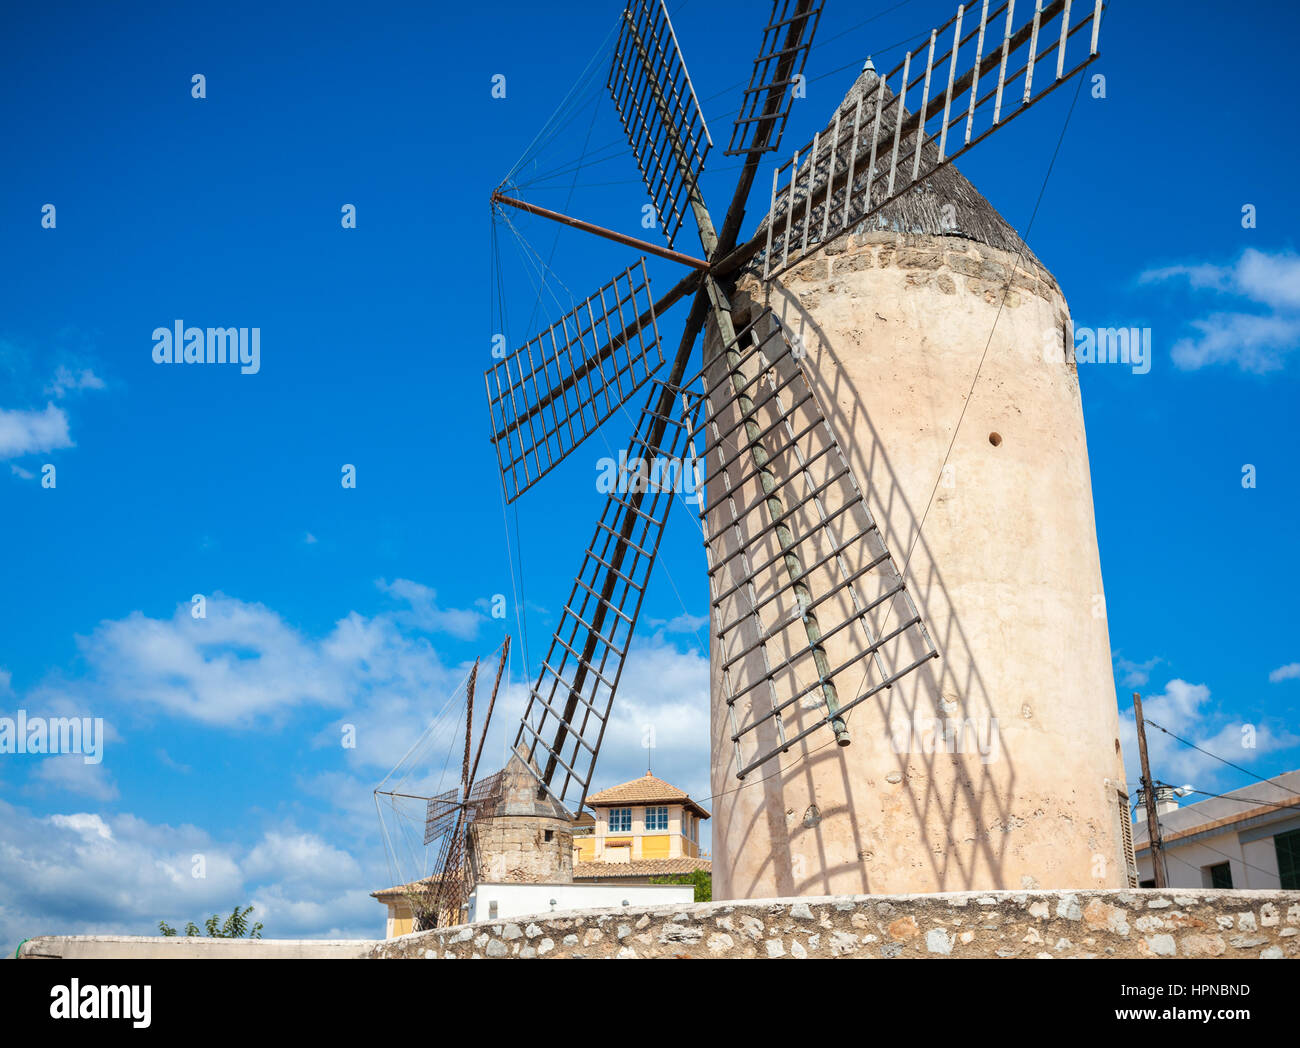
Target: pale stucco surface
x,y
1005,572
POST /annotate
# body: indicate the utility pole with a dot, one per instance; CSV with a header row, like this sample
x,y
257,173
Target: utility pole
x,y
1149,794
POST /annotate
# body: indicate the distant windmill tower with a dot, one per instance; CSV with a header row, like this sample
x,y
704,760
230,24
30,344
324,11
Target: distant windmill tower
x,y
834,408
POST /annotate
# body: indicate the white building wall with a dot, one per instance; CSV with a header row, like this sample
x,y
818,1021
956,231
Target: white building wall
x,y
1254,865
527,900
1262,870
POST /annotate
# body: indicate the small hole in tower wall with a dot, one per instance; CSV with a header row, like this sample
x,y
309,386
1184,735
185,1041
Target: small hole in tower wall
x,y
995,439
740,321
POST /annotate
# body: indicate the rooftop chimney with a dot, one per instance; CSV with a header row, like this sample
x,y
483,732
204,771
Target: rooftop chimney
x,y
1166,799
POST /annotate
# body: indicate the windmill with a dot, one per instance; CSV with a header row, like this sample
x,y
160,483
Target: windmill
x,y
796,561
438,897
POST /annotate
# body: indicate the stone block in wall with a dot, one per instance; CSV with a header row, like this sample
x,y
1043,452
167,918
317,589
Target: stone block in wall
x,y
992,271
873,237
817,269
914,258
854,263
963,264
1027,281
978,268
993,294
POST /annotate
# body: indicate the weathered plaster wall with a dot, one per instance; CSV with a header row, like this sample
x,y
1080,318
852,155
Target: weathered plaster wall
x,y
1006,574
1086,924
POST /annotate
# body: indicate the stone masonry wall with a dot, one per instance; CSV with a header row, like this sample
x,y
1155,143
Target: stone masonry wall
x,y
514,848
1037,924
948,264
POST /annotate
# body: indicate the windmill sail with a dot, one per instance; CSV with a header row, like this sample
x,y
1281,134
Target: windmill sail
x,y
808,606
440,814
995,68
568,709
548,396
656,102
787,39
438,895
484,795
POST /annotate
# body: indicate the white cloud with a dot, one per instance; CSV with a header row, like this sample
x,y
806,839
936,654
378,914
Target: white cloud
x,y
301,859
28,432
663,696
1135,674
683,623
66,381
240,662
84,823
71,773
424,613
85,873
1256,342
1288,672
18,471
1202,277
1271,279
167,761
243,664
1186,710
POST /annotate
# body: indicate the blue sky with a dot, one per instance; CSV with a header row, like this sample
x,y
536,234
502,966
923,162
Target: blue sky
x,y
329,606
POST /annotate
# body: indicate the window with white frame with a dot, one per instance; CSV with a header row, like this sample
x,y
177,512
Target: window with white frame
x,y
656,819
620,820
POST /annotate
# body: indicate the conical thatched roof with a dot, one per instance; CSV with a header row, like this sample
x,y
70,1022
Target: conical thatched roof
x,y
922,209
514,791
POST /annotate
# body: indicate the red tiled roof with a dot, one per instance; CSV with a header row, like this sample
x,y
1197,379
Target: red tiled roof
x,y
582,871
602,871
646,790
414,888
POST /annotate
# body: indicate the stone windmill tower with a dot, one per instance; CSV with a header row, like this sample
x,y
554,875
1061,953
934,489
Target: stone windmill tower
x,y
910,682
997,766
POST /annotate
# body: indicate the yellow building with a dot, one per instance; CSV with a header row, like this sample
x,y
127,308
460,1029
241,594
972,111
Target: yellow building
x,y
634,833
397,901
645,819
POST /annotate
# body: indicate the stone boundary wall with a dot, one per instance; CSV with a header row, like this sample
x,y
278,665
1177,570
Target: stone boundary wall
x,y
1006,924
184,947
